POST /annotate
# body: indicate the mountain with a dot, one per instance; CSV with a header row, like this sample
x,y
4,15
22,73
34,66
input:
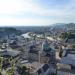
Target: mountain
x,y
69,26
4,31
37,29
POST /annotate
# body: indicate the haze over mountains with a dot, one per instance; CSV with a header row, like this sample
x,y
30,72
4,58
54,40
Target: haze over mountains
x,y
55,26
38,29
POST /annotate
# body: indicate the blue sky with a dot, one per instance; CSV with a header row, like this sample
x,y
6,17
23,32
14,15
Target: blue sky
x,y
36,12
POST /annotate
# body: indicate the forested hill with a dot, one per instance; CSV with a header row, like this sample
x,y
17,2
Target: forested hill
x,y
9,30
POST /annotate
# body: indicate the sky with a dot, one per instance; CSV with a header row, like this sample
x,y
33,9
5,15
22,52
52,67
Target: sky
x,y
36,12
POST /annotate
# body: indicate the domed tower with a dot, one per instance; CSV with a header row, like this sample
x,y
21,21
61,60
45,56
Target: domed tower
x,y
45,46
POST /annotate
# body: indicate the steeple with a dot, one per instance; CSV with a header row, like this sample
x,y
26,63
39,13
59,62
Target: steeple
x,y
45,45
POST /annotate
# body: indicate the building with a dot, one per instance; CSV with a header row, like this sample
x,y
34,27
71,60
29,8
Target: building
x,y
45,45
36,68
67,62
9,53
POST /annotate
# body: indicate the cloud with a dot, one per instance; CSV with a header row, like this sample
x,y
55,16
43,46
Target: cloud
x,y
31,12
11,7
25,21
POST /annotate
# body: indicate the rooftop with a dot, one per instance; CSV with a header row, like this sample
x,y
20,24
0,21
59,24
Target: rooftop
x,y
34,66
9,53
69,59
26,35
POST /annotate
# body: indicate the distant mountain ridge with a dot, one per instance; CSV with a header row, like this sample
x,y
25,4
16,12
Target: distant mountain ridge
x,y
37,29
41,29
69,26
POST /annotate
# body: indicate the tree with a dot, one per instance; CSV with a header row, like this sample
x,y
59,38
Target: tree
x,y
1,61
23,70
0,73
64,35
